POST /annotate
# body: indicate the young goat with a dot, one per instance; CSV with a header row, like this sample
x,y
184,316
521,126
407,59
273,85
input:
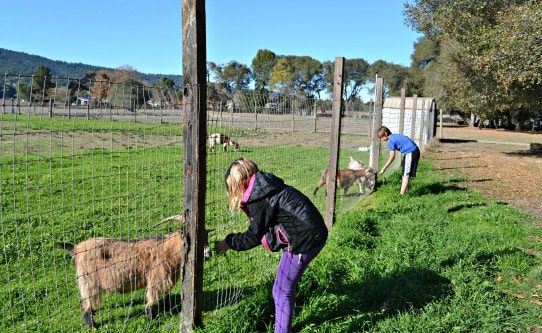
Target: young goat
x,y
223,140
121,266
356,173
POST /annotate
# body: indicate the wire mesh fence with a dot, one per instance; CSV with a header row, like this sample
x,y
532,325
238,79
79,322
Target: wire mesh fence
x,y
102,162
71,170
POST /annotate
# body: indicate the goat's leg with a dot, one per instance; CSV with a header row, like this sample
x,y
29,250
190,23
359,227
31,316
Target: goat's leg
x,y
90,298
153,294
320,183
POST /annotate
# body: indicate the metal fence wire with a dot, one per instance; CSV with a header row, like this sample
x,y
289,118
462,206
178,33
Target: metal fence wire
x,y
101,162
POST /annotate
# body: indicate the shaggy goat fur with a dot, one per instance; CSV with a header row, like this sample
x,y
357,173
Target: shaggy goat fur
x,y
121,266
223,140
356,173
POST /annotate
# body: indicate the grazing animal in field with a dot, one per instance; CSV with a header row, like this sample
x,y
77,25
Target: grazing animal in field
x,y
121,266
356,173
216,139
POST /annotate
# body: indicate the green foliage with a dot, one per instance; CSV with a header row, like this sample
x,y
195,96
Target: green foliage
x,y
355,77
491,49
41,81
230,79
394,76
262,65
301,75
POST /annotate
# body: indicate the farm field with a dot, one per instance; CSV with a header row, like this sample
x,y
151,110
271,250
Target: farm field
x,y
468,263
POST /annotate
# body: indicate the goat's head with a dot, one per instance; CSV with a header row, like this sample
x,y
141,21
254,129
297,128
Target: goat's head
x,y
180,218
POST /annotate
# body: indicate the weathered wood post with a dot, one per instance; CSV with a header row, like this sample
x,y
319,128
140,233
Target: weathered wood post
x,y
440,124
194,135
422,124
377,123
402,111
334,142
4,94
413,119
397,161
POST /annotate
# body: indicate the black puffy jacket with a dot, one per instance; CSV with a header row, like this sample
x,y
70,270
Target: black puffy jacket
x,y
280,217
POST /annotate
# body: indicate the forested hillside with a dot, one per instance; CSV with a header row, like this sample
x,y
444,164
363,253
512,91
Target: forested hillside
x,y
13,62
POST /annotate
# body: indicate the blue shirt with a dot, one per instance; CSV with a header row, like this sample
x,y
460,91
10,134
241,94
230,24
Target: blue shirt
x,y
402,143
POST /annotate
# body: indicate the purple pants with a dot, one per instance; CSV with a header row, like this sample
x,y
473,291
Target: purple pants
x,y
290,270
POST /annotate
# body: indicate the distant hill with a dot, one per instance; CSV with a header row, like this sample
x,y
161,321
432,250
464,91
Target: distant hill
x,y
13,62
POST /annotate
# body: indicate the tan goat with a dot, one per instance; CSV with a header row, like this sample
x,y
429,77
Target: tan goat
x,y
121,266
356,173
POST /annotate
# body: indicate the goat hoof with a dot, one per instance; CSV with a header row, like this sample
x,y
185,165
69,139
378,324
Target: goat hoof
x,y
89,321
150,313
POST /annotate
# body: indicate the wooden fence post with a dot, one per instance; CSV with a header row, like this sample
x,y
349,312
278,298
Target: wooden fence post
x,y
334,143
422,124
377,123
440,124
194,136
413,119
402,111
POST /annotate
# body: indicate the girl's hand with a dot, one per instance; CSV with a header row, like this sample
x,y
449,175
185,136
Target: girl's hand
x,y
222,246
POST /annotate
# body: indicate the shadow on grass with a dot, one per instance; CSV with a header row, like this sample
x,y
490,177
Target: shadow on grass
x,y
436,188
459,207
379,297
480,258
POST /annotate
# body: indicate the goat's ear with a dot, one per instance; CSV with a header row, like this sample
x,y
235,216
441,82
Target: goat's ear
x,y
210,230
351,159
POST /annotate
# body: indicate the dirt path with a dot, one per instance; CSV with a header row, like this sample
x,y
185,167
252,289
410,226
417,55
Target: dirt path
x,y
496,163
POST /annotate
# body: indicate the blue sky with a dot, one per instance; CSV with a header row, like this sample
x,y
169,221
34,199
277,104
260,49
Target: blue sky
x,y
147,34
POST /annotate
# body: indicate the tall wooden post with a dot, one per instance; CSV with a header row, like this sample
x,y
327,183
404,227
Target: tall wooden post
x,y
422,124
334,144
377,123
440,124
194,136
402,111
413,119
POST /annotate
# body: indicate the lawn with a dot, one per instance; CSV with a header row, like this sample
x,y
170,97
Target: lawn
x,y
441,259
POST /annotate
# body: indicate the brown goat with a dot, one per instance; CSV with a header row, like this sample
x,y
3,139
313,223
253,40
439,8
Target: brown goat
x,y
365,178
121,266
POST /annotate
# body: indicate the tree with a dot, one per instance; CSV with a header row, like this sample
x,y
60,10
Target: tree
x,y
297,75
128,88
355,77
262,65
394,76
41,82
493,49
10,92
230,78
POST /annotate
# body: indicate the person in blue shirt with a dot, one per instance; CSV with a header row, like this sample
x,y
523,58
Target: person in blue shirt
x,y
407,147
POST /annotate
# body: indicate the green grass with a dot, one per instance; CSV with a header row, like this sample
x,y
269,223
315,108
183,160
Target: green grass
x,y
440,259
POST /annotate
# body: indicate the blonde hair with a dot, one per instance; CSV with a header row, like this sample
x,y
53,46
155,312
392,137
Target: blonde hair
x,y
237,178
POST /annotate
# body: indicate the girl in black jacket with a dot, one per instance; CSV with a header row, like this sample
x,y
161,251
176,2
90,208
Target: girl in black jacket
x,y
280,217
